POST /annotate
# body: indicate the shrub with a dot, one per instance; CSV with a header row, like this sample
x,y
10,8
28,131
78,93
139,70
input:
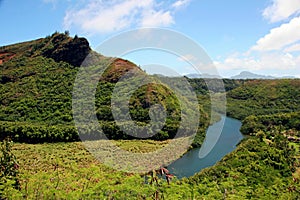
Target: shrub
x,y
9,167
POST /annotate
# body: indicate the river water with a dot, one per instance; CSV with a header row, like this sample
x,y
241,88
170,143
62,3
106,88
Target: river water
x,y
191,162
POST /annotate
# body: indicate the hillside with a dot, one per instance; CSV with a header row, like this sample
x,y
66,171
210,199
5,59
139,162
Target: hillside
x,y
36,85
260,97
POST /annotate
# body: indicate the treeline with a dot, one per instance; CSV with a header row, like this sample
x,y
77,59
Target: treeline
x,y
203,86
37,133
283,121
41,133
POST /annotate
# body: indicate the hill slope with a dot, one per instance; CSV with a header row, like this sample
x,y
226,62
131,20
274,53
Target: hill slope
x,y
260,97
36,85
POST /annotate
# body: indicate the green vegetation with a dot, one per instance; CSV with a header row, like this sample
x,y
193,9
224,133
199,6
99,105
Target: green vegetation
x,y
48,162
36,93
256,169
40,91
283,121
261,97
201,85
9,168
68,171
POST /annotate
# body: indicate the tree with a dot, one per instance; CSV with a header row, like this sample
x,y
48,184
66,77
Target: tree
x,y
67,33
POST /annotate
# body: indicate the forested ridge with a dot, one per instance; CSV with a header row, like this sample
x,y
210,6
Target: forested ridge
x,y
36,92
261,97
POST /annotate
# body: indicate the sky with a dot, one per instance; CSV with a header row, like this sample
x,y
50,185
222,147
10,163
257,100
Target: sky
x,y
260,36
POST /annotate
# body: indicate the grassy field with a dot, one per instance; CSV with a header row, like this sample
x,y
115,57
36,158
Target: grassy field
x,y
68,170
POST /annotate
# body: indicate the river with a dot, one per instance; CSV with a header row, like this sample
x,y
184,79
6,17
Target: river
x,y
191,163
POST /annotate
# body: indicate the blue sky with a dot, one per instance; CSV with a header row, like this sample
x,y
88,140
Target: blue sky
x,y
261,36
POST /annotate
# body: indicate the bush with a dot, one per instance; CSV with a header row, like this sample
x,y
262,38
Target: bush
x,y
9,167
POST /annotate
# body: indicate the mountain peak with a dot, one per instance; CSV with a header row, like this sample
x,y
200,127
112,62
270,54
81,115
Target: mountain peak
x,y
58,46
250,75
61,47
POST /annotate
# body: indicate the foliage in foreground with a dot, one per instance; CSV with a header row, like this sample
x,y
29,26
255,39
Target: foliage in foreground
x,y
8,168
258,168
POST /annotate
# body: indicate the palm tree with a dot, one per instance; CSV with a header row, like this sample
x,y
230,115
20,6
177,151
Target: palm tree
x,y
163,170
169,177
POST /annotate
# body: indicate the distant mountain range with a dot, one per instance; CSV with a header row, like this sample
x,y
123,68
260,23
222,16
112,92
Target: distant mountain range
x,y
203,76
242,75
250,75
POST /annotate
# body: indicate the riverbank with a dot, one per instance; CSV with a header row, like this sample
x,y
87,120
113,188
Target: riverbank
x,y
221,139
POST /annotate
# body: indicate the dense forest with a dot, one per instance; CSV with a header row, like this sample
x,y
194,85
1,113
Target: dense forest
x,y
41,155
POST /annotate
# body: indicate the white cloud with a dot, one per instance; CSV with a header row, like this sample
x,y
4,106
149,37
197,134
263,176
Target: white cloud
x,y
266,61
280,37
105,16
281,10
114,15
154,18
180,3
293,48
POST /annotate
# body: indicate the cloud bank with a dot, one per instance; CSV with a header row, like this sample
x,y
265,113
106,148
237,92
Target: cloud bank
x,y
280,37
106,16
281,10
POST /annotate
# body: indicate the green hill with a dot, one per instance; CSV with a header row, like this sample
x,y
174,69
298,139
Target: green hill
x,y
261,97
36,85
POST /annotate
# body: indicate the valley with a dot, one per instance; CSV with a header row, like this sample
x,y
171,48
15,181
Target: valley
x,y
43,157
